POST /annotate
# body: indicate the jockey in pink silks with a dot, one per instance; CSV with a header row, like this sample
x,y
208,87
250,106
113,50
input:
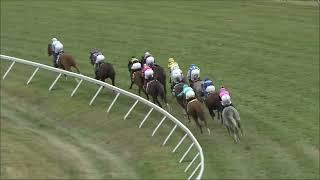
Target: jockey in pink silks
x,y
147,72
225,97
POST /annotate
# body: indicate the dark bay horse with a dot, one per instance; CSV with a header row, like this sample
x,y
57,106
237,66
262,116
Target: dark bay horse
x,y
66,61
195,109
160,75
104,71
154,89
213,102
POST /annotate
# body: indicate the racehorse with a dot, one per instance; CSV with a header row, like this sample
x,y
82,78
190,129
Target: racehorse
x,y
177,89
154,89
160,75
104,71
213,102
66,61
195,109
139,81
231,120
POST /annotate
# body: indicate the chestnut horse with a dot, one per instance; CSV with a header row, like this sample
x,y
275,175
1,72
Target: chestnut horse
x,y
195,109
137,79
66,61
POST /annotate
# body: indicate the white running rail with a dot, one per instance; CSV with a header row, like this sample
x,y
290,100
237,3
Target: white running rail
x,y
198,168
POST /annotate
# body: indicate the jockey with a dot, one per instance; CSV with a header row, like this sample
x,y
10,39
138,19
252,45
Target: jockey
x,y
225,97
188,92
134,60
174,71
207,86
147,72
150,61
146,55
97,58
57,50
172,64
176,76
193,73
136,65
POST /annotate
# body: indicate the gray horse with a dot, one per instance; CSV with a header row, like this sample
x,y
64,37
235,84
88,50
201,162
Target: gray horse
x,y
231,120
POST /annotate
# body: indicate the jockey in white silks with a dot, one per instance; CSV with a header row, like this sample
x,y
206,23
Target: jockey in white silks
x,y
97,58
176,76
193,73
150,61
174,71
57,50
136,65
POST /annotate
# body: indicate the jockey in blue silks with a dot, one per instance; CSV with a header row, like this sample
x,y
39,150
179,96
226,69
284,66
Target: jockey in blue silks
x,y
207,87
193,73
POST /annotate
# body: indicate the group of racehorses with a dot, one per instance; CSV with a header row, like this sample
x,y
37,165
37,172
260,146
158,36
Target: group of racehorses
x,y
157,88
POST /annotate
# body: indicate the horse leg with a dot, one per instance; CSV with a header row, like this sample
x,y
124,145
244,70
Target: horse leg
x,y
239,125
139,91
228,130
211,113
64,68
132,85
188,117
198,124
220,116
206,125
145,92
156,101
112,79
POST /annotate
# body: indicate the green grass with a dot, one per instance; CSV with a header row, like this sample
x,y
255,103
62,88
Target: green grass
x,y
266,52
